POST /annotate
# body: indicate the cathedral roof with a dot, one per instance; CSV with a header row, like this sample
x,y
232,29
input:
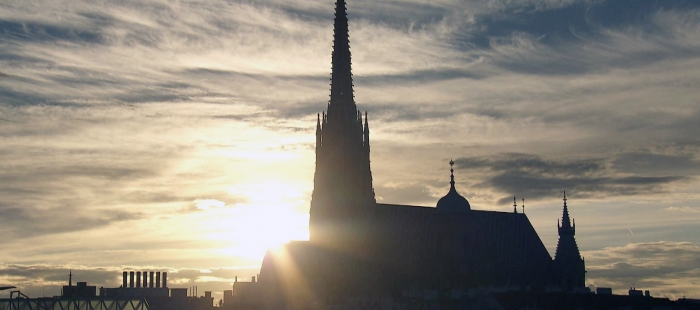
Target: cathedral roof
x,y
453,202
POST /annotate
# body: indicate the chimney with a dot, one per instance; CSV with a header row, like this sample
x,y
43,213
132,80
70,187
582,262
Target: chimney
x,y
145,279
150,279
124,275
131,279
157,278
207,294
165,279
138,279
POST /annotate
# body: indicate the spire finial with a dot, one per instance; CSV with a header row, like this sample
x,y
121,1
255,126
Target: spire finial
x,y
70,277
523,205
452,174
515,206
565,198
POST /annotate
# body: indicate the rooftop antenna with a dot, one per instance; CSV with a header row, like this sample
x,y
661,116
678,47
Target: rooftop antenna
x,y
515,206
70,277
523,205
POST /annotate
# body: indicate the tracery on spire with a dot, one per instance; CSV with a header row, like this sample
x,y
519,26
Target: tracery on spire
x,y
342,101
452,174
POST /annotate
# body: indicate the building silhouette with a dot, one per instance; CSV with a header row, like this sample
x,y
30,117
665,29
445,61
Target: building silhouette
x,y
568,268
359,247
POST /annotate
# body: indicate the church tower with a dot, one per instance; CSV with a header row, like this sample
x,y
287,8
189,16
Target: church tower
x,y
569,269
343,198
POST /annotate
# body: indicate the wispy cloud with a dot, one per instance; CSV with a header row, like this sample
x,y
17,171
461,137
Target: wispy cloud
x,y
124,118
666,268
536,177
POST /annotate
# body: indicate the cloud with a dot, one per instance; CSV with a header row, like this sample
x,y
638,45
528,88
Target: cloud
x,y
405,193
118,115
40,32
666,268
683,209
536,177
56,221
651,163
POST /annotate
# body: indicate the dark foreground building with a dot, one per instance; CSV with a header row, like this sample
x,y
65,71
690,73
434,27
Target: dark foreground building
x,y
138,293
359,248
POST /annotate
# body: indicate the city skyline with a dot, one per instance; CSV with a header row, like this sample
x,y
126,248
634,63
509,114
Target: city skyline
x,y
181,135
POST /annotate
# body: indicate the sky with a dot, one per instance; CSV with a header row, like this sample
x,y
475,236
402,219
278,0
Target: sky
x,y
179,135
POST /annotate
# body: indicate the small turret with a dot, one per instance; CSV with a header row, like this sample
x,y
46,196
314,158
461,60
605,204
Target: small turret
x,y
318,130
565,228
366,131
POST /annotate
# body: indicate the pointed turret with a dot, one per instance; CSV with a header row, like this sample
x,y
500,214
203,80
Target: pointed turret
x,y
365,134
565,228
569,270
318,130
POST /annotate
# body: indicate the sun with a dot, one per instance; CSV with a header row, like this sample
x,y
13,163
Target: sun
x,y
272,215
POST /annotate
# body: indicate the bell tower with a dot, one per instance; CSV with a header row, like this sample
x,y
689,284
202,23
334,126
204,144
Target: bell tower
x,y
343,197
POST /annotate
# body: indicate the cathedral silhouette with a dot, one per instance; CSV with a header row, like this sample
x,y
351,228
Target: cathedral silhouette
x,y
359,247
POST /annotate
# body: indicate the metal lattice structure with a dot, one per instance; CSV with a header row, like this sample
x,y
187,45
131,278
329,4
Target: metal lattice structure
x,y
73,304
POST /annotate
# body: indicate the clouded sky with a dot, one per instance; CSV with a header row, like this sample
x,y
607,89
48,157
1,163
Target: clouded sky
x,y
179,135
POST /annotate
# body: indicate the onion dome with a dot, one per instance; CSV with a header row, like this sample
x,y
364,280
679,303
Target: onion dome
x,y
453,202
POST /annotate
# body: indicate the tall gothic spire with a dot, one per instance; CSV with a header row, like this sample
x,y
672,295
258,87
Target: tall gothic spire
x,y
342,102
343,196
